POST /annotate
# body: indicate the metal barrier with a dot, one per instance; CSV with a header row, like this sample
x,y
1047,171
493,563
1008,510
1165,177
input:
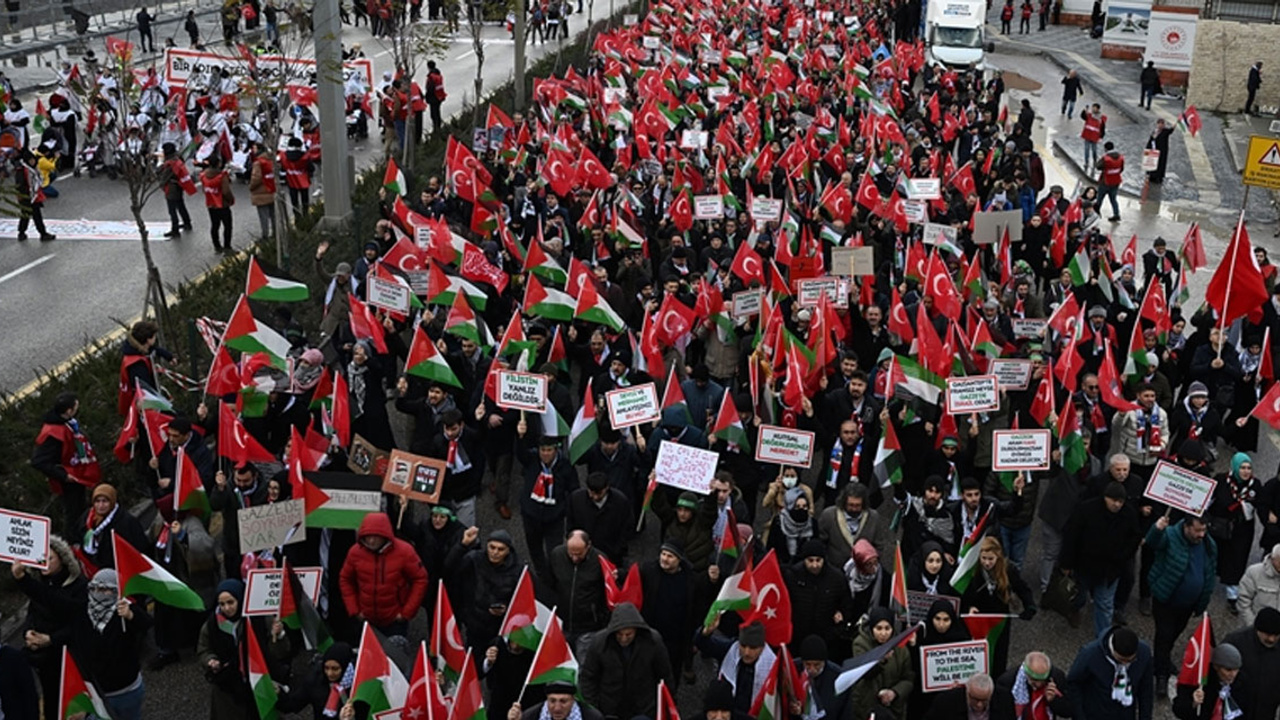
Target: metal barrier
x,y
1260,11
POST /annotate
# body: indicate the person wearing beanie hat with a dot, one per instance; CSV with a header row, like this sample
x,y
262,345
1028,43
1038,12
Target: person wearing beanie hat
x,y
1219,695
605,514
745,662
1259,648
219,651
1195,418
1143,433
1098,543
1182,577
811,658
1260,587
718,704
104,517
1111,677
669,586
621,463
490,570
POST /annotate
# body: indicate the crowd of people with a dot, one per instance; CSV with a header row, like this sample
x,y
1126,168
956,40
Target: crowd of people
x,y
574,243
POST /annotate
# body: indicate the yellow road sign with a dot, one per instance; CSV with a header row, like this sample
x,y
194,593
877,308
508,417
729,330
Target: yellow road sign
x,y
1262,162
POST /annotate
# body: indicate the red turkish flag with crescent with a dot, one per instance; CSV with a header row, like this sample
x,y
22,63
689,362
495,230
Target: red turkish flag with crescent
x,y
1268,409
747,265
674,320
772,601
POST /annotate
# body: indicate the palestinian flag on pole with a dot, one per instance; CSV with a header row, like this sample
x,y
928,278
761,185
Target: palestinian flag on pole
x,y
889,460
728,426
1080,267
443,289
585,433
547,302
147,398
246,334
987,627
967,563
446,641
513,341
738,593
297,612
855,669
537,261
1071,440
673,396
593,308
462,322
526,619
138,574
188,490
767,703
917,385
76,696
378,682
393,179
553,425
468,700
264,690
554,660
425,361
261,286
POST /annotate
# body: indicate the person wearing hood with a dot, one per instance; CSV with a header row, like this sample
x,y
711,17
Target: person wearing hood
x,y
674,427
891,684
745,663
623,664
104,517
549,477
1219,696
691,526
382,578
820,600
58,597
490,574
247,489
668,588
942,625
64,456
793,527
368,258
929,570
223,653
326,689
1111,678
1231,523
106,642
813,660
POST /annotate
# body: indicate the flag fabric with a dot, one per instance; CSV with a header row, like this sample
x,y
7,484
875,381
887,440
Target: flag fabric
x,y
1192,250
123,449
1237,287
593,308
666,704
584,433
138,574
378,682
526,619
737,593
393,179
446,640
424,700
77,696
234,441
1189,120
425,361
547,302
986,627
1071,440
261,286
728,425
1268,408
889,460
856,668
775,614
188,490
224,377
260,683
554,660
246,334
631,590
766,704
1080,267
443,289
1194,670
898,590
297,612
967,562
468,700
366,325
673,395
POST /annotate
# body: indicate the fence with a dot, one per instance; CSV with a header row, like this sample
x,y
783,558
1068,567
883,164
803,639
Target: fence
x,y
1258,11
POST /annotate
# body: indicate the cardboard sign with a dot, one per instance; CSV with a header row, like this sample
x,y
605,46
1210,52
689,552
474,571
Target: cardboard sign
x,y
918,604
765,209
1180,488
365,459
1150,160
1011,373
708,207
694,139
632,406
388,295
809,292
1019,450
990,226
24,538
784,446
924,188
414,476
746,303
684,467
262,588
948,665
271,525
1028,327
975,393
418,282
351,498
937,233
522,391
915,211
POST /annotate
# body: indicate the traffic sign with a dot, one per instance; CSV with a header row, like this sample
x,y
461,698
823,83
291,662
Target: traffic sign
x,y
1262,163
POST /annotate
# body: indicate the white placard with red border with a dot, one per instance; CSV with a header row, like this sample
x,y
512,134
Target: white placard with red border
x,y
950,664
1020,450
1011,373
632,405
784,446
522,391
263,588
1180,488
708,207
389,295
810,290
685,467
973,393
24,538
181,65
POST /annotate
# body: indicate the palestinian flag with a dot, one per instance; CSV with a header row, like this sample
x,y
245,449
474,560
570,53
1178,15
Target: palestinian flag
x,y
553,660
856,668
443,289
147,398
526,619
446,641
898,591
1194,670
393,179
585,433
673,396
728,540
246,334
593,308
1071,440
261,286
553,425
918,386
378,682
1080,267
728,426
767,703
468,701
889,460
76,696
537,261
264,690
986,627
738,593
425,361
967,563
138,574
341,500
547,302
188,490
462,322
513,341
297,612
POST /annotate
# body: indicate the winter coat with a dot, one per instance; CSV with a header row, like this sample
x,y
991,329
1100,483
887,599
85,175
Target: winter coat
x,y
56,602
832,531
232,698
1258,673
954,703
123,524
565,481
386,585
1173,555
110,658
1126,431
579,590
486,585
815,599
893,673
1091,676
610,526
1259,588
1099,542
465,485
695,535
619,681
227,501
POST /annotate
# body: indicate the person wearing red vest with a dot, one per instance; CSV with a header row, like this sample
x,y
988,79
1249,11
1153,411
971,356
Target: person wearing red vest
x,y
1095,128
418,106
262,188
65,457
136,362
177,182
297,167
1112,166
218,201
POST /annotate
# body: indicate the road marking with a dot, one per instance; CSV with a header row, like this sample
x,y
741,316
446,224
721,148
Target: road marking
x,y
466,54
34,263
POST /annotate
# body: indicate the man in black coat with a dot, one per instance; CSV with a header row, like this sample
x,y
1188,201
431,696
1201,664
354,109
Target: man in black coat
x,y
606,515
459,445
1101,535
977,696
820,598
1158,262
577,580
623,665
619,461
181,436
247,489
1255,82
1259,648
559,705
549,477
1034,682
489,574
822,673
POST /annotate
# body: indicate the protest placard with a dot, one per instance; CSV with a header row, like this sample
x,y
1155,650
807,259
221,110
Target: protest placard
x,y
809,291
630,19
918,604
924,188
522,391
414,476
632,405
1028,327
1018,450
350,498
990,226
784,446
1150,160
950,664
1011,373
711,57
685,467
1180,488
915,211
765,209
694,139
708,207
973,393
365,459
937,234
271,525
263,588
25,538
651,42
746,303
388,294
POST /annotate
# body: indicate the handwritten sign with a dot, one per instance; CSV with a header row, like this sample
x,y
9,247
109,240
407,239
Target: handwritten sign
x,y
1011,373
808,292
1020,450
1028,327
684,467
853,261
264,586
924,188
939,234
522,391
746,303
708,207
975,393
918,604
272,525
1180,488
632,406
414,476
784,446
24,538
389,295
950,664
765,209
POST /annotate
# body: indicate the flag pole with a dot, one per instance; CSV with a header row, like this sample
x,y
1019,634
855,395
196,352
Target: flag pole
x,y
1231,272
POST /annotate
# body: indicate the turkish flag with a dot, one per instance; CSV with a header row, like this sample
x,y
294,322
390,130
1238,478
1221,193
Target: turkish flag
x,y
592,173
674,320
899,324
1237,287
558,171
939,286
838,201
747,265
1268,409
773,602
868,193
681,212
405,256
963,180
235,443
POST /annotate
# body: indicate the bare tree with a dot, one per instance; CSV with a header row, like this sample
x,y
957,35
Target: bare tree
x,y
412,45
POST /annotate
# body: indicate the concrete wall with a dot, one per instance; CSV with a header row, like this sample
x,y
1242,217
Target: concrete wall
x,y
1220,67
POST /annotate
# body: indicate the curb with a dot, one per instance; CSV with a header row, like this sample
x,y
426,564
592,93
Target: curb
x,y
1051,56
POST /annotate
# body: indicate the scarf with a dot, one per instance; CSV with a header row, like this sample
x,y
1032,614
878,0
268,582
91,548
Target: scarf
x,y
834,463
1121,689
356,379
1225,707
83,454
1197,418
1249,362
930,586
795,531
1024,696
338,693
544,487
575,713
94,532
102,607
1148,428
1097,416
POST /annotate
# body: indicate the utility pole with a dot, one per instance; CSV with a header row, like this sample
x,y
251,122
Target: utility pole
x,y
336,174
520,11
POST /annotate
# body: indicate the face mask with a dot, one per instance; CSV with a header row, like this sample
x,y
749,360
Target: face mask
x,y
798,515
789,481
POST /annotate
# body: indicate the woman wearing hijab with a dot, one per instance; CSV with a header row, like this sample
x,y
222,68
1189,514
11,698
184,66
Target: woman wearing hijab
x,y
328,688
1231,523
104,516
890,685
863,573
365,375
941,626
991,592
223,653
58,595
792,527
929,572
1243,433
106,644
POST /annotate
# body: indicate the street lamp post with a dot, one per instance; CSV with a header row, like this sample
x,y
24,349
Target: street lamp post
x,y
336,172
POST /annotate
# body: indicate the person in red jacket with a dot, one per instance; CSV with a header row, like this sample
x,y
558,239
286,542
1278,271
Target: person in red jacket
x,y
65,457
1112,166
297,167
218,199
382,579
1095,127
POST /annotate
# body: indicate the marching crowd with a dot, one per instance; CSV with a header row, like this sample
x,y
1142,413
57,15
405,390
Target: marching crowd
x,y
574,244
